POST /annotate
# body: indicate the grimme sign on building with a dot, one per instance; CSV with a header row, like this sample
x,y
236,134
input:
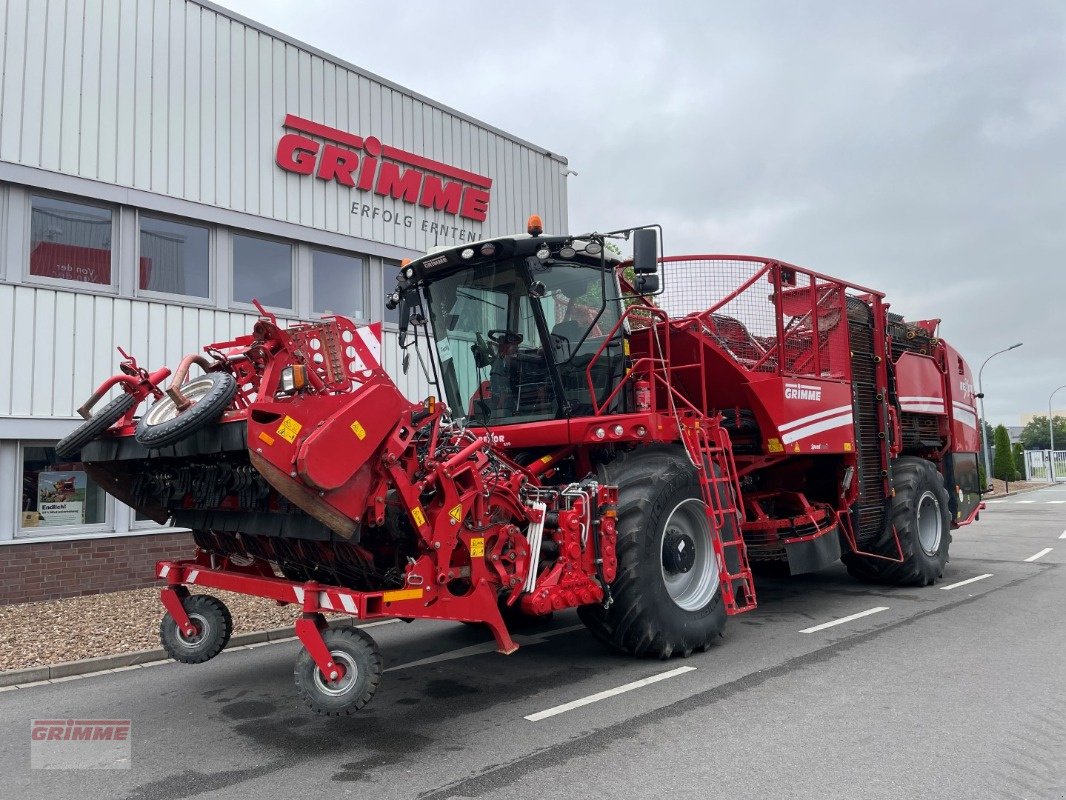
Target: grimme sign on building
x,y
366,165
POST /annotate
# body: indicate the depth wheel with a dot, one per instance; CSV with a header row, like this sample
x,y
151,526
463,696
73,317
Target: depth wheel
x,y
358,654
71,444
163,424
213,624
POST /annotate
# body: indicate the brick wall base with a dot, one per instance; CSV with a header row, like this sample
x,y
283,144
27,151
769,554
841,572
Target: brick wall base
x,y
31,571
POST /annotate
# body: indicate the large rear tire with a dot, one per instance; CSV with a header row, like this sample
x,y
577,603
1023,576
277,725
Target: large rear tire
x,y
667,595
922,519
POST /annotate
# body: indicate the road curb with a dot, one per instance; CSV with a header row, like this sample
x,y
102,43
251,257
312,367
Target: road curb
x,y
1030,490
67,669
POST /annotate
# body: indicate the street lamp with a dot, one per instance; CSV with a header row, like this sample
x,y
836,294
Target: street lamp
x,y
981,396
1051,429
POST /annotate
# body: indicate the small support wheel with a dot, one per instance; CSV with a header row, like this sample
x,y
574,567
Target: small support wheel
x,y
213,624
358,654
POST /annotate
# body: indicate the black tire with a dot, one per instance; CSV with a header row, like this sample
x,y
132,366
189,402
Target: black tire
x,y
162,427
919,487
357,652
215,625
643,618
71,444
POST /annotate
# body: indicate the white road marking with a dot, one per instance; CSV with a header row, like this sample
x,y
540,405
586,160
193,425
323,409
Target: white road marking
x,y
1024,502
1063,535
842,620
968,580
483,647
1056,502
1041,554
595,698
995,501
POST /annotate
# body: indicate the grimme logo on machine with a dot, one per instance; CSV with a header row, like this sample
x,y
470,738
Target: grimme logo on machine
x,y
802,391
370,166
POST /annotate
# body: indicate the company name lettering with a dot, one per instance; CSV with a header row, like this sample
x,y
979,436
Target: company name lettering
x,y
801,391
370,166
80,730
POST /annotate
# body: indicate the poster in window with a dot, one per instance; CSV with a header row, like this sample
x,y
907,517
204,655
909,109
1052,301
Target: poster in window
x,y
61,498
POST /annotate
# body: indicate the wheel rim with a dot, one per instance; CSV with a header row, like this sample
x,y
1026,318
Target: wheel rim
x,y
203,630
689,568
338,687
166,409
930,524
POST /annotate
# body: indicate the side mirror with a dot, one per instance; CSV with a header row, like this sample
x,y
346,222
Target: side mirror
x,y
645,251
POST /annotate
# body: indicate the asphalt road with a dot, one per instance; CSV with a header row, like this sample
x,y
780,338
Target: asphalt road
x,y
945,693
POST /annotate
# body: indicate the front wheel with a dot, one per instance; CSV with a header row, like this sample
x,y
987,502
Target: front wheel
x,y
213,624
922,520
356,652
667,596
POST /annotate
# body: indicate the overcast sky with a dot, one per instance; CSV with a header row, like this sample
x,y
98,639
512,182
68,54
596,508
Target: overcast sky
x,y
916,147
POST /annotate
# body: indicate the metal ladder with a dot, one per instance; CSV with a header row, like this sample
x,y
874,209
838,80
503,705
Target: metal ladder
x,y
708,446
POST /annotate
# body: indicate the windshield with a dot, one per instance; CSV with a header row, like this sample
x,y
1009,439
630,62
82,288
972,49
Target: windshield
x,y
494,363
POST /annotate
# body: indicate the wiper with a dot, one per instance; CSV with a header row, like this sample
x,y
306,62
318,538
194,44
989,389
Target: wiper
x,y
481,300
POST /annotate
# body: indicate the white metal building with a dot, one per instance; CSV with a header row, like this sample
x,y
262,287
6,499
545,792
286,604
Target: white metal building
x,y
162,162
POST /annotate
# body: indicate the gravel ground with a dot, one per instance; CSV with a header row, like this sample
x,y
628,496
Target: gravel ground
x,y
50,632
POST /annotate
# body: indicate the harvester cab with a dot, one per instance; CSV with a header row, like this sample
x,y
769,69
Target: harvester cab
x,y
525,328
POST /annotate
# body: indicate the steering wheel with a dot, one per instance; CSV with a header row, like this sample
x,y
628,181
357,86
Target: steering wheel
x,y
500,336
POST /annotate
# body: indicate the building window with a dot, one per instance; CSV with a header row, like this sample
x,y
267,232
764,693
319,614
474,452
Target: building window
x,y
262,270
175,257
57,493
70,241
339,284
389,273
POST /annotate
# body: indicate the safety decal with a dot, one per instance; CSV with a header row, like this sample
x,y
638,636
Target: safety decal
x,y
847,447
477,547
418,515
359,430
289,429
774,446
457,512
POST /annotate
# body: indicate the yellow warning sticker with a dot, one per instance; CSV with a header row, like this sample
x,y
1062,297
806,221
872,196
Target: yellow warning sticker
x,y
418,515
266,437
457,512
289,429
847,447
796,448
477,547
775,446
403,594
359,430
546,459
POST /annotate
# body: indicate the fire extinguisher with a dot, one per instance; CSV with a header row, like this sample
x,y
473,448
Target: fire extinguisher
x,y
642,395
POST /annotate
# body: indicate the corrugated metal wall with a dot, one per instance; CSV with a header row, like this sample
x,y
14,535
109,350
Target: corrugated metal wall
x,y
64,345
178,99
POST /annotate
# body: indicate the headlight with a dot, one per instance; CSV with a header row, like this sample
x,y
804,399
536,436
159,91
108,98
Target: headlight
x,y
293,378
